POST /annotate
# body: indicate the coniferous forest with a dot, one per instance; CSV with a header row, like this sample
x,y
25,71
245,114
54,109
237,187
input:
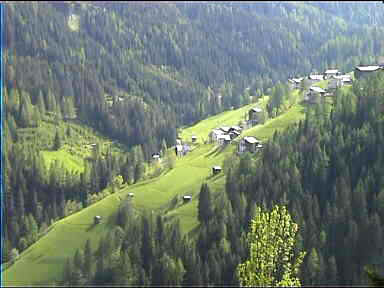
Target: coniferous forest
x,y
136,73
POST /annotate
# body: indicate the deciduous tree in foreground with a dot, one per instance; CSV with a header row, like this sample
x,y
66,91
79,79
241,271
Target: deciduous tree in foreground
x,y
272,260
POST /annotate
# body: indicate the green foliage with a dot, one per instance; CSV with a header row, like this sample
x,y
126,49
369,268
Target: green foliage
x,y
272,261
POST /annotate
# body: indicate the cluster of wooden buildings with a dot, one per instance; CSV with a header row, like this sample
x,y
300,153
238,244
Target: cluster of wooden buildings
x,y
224,135
335,80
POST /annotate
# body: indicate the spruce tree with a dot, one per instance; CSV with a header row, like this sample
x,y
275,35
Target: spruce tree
x,y
205,209
57,141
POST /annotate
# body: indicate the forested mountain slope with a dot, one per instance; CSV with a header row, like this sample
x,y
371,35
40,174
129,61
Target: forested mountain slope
x,y
167,55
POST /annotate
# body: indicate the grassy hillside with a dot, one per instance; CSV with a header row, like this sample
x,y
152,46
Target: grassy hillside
x,y
76,143
227,118
43,262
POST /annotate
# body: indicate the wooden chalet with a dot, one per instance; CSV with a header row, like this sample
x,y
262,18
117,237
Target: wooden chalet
x,y
249,144
254,115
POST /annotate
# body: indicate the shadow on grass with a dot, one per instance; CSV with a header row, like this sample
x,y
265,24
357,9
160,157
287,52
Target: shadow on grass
x,y
215,151
90,228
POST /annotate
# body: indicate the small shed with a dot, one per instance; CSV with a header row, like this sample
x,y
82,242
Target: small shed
x,y
194,138
97,219
216,170
131,195
156,157
187,198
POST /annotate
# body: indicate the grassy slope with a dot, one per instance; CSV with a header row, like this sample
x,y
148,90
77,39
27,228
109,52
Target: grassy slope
x,y
43,262
227,118
75,148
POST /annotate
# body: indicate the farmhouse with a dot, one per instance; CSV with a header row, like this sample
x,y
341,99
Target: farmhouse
x,y
295,82
347,79
314,94
363,71
249,143
331,72
214,135
187,198
216,170
254,115
314,78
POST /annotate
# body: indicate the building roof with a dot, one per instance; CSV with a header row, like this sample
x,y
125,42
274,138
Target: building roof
x,y
369,68
98,217
225,137
331,71
216,167
256,109
236,128
217,131
251,140
155,156
317,89
236,132
187,197
131,194
316,77
225,128
194,137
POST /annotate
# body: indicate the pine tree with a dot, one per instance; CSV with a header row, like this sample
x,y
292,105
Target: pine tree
x,y
57,141
41,103
88,259
205,209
